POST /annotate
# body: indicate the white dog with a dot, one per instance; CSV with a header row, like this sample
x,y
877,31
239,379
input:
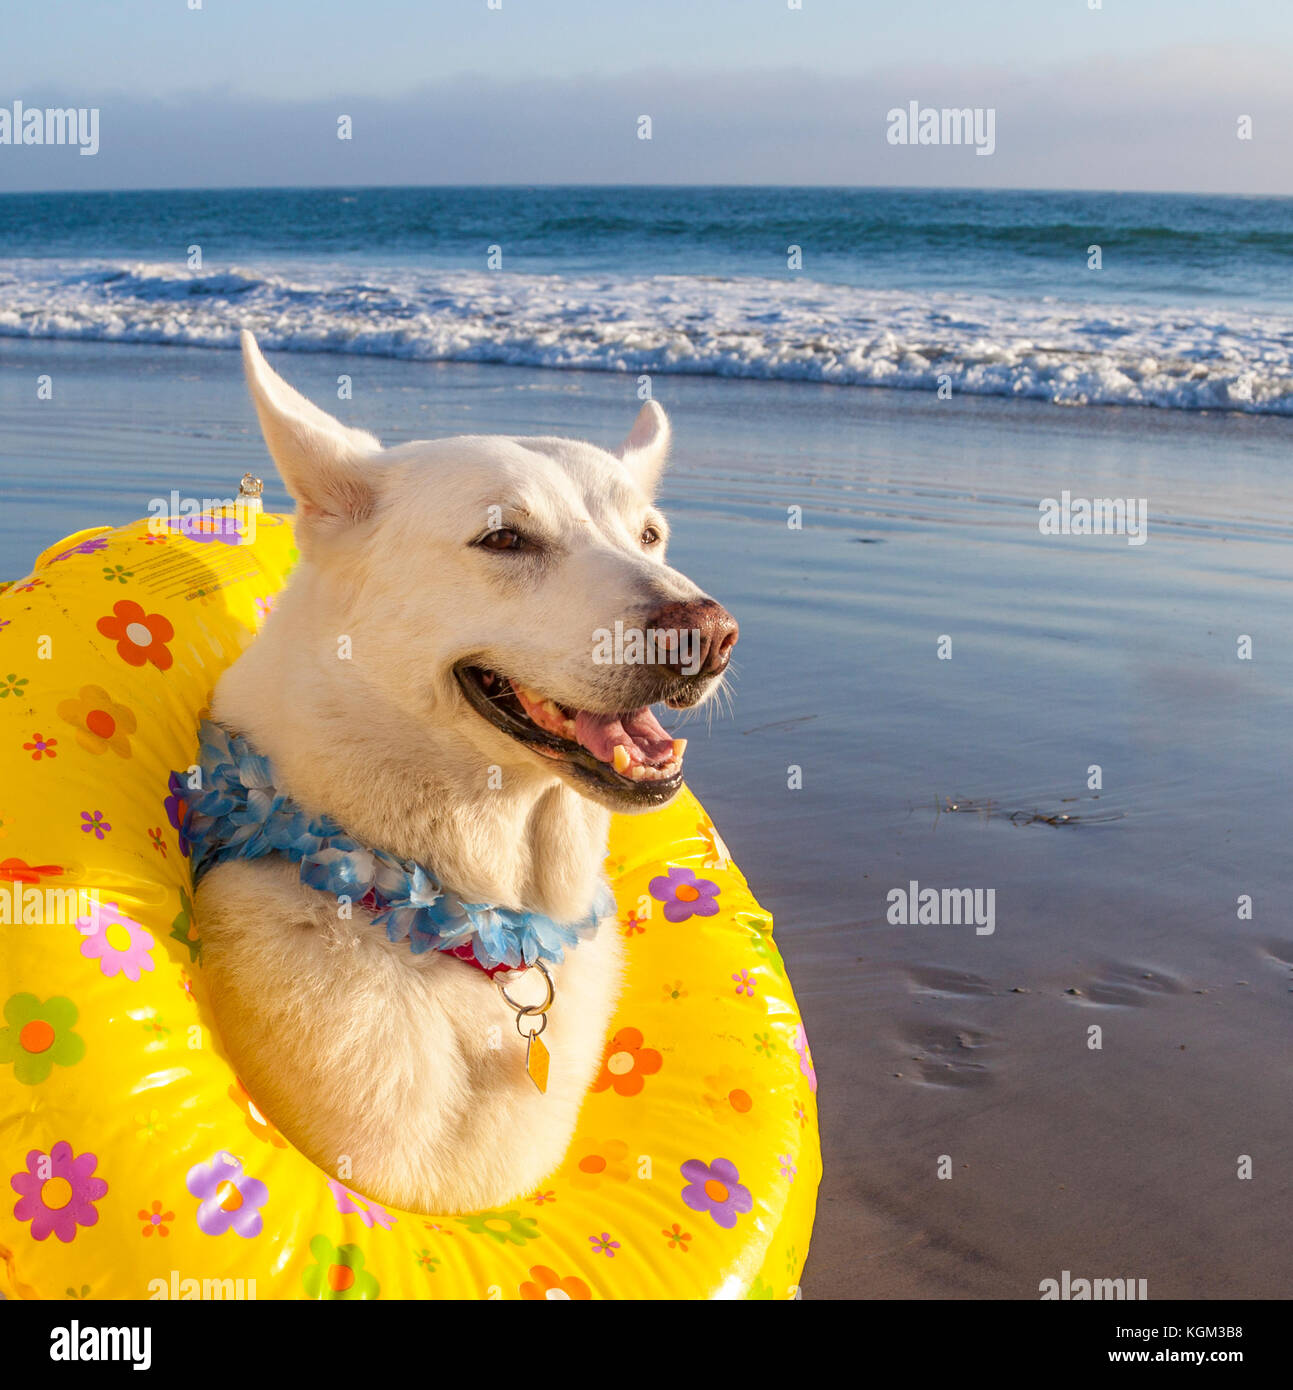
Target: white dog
x,y
429,679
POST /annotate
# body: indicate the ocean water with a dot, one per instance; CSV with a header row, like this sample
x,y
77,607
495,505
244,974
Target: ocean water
x,y
920,518
986,293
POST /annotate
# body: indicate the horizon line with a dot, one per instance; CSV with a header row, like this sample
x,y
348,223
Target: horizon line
x,y
797,187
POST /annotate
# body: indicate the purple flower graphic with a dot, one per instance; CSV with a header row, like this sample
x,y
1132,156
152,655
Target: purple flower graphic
x,y
354,1204
604,1245
58,1191
684,895
117,942
95,543
177,812
713,1187
95,824
206,529
228,1199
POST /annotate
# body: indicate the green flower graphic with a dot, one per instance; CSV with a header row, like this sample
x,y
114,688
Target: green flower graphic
x,y
338,1273
503,1226
761,942
759,925
38,1036
185,930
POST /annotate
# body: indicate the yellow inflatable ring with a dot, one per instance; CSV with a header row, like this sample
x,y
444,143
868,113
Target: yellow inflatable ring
x,y
133,1164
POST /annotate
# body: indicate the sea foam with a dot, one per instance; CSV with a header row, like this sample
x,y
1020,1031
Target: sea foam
x,y
1218,358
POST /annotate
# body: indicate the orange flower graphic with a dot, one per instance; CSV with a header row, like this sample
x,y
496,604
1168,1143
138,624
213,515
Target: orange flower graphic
x,y
627,1063
545,1283
140,637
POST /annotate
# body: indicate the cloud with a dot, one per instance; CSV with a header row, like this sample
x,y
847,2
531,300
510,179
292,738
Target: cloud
x,y
1160,120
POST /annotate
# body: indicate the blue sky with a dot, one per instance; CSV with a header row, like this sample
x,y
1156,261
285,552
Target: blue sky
x,y
304,48
1140,93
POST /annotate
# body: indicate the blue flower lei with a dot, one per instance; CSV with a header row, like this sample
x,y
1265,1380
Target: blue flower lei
x,y
239,813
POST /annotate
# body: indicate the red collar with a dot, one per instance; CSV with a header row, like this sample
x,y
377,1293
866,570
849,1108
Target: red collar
x,y
369,900
467,954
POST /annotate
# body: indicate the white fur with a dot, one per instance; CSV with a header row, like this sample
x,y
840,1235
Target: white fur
x,y
403,1074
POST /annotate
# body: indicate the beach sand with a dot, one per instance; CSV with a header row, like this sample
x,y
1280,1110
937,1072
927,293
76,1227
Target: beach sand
x,y
919,521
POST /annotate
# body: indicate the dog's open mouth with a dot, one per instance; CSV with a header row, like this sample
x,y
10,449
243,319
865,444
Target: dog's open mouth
x,y
628,751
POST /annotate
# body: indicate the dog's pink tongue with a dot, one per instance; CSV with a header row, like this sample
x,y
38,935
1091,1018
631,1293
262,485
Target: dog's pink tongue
x,y
649,735
640,732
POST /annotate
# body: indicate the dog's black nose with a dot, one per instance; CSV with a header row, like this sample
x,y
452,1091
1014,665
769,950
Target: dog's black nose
x,y
703,635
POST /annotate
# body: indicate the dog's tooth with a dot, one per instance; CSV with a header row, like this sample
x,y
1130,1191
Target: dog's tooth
x,y
620,759
638,773
679,747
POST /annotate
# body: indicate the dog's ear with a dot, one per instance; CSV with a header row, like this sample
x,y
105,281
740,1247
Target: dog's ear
x,y
325,464
645,450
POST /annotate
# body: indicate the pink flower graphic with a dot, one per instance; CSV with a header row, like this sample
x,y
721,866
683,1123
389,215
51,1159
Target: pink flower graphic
x,y
58,1191
800,1043
604,1245
354,1204
228,1198
117,942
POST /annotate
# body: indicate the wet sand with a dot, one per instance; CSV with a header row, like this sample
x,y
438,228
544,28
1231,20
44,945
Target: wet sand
x,y
920,521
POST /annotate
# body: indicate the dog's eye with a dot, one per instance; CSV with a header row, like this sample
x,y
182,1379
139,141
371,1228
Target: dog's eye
x,y
650,536
505,539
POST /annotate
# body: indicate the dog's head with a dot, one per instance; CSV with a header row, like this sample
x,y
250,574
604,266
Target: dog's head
x,y
512,590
